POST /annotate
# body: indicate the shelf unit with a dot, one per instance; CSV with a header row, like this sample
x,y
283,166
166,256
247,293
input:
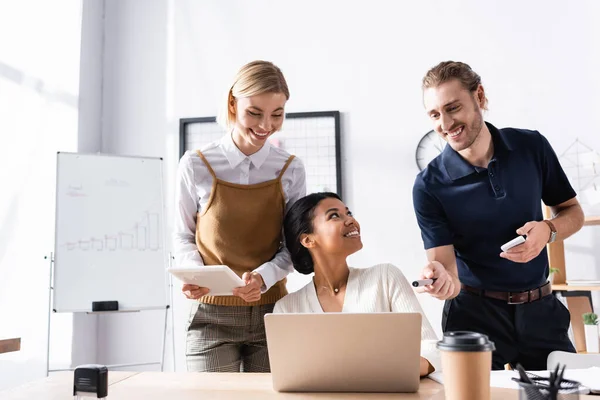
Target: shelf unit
x,y
579,298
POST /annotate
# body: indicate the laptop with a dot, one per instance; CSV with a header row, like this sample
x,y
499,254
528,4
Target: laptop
x,y
344,352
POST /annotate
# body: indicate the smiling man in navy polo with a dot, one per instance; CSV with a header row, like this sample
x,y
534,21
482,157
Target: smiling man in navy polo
x,y
486,188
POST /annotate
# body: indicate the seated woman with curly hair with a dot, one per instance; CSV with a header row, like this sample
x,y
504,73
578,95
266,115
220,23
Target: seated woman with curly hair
x,y
320,233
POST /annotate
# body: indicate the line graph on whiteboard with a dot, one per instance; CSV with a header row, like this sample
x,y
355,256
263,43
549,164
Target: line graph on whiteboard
x,y
143,235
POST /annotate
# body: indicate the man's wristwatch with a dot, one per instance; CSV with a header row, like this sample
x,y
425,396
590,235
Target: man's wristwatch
x,y
552,231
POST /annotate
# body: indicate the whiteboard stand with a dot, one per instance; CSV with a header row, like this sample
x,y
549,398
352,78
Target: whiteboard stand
x,y
49,308
171,258
164,339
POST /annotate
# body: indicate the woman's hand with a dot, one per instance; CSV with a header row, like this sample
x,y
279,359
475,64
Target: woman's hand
x,y
425,367
194,292
250,292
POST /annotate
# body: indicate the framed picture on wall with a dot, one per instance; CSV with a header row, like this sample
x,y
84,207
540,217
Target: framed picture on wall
x,y
314,137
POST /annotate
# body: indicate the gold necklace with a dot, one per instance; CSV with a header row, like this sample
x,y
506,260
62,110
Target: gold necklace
x,y
335,290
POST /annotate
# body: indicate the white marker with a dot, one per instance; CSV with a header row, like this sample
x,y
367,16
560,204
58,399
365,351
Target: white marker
x,y
515,242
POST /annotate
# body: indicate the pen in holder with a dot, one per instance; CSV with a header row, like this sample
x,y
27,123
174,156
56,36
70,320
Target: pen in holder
x,y
533,387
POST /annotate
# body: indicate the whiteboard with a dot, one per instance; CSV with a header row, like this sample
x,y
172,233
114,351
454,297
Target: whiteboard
x,y
109,239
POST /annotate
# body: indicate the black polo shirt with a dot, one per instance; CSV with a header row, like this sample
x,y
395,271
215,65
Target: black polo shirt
x,y
479,209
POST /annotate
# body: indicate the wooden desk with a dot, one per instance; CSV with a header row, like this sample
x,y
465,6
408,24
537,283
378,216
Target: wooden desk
x,y
575,288
224,386
589,221
8,345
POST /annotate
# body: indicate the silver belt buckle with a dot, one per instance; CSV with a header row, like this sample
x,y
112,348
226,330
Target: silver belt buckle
x,y
510,300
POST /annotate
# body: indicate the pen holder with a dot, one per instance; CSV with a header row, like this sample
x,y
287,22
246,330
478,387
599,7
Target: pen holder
x,y
541,389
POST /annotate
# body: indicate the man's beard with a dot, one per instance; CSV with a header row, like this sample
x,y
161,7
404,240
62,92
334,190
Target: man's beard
x,y
473,130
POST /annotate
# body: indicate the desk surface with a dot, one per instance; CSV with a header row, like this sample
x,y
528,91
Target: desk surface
x,y
575,288
222,386
8,345
593,220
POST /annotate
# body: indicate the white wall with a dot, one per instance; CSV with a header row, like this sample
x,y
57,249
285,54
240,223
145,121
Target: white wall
x,y
91,77
39,76
134,122
164,60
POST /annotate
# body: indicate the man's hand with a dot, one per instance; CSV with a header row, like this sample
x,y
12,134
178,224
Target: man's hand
x,y
194,292
537,234
444,285
250,292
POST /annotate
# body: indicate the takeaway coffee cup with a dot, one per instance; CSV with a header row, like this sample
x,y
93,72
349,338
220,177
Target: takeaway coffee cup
x,y
466,365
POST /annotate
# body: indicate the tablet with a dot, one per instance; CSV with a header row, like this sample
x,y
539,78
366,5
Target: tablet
x,y
220,279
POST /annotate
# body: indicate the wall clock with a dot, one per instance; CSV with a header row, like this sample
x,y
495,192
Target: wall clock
x,y
430,146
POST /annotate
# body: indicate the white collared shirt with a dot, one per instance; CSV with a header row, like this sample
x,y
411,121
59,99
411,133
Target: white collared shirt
x,y
194,184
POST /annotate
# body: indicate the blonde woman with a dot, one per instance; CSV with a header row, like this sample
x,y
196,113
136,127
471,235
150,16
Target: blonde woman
x,y
231,197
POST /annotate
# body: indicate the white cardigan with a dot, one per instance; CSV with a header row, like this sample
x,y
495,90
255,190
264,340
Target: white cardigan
x,y
381,288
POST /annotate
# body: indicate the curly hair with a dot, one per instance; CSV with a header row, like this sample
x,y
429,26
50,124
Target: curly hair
x,y
298,221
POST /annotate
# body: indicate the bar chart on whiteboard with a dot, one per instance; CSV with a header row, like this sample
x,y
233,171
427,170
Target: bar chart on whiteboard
x,y
142,235
109,239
